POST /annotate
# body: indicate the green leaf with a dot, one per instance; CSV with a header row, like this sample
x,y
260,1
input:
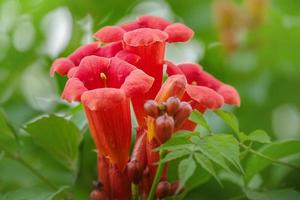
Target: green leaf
x,y
198,118
7,137
174,141
34,193
259,136
288,194
175,155
5,128
189,147
228,146
230,119
58,136
277,150
182,133
207,165
186,169
214,155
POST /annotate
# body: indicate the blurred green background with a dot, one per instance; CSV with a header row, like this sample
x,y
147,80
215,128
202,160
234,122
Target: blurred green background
x,y
251,44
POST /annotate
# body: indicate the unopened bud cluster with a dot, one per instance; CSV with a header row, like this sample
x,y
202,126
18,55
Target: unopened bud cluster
x,y
165,189
169,116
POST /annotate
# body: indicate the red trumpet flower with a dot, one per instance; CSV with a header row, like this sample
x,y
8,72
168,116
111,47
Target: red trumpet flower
x,y
63,65
146,38
196,76
105,78
105,86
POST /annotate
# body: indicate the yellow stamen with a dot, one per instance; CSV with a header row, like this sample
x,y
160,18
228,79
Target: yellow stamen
x,y
194,83
151,128
104,78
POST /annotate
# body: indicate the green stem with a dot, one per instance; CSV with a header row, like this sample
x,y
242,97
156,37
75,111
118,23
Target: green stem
x,y
159,171
135,191
295,167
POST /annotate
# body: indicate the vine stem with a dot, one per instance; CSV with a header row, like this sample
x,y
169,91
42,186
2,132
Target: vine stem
x,y
295,167
158,174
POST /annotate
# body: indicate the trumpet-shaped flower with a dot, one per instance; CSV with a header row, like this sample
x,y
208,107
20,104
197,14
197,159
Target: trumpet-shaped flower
x,y
196,76
146,38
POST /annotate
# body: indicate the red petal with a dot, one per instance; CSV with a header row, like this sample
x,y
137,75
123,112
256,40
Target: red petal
x,y
129,26
117,72
128,57
137,83
174,86
191,71
72,72
109,50
230,95
120,185
81,52
103,173
208,80
188,125
61,66
204,96
90,69
73,90
179,32
108,114
154,22
109,34
172,69
144,37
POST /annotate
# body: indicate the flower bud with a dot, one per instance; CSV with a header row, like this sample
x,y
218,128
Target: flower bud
x,y
182,114
172,105
151,108
176,188
98,195
134,171
163,189
164,127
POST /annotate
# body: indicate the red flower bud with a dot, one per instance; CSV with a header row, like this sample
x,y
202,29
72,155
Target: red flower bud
x,y
172,105
163,189
164,127
98,195
151,108
176,188
134,171
182,114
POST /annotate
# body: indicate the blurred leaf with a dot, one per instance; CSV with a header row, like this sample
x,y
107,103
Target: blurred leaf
x,y
7,137
211,153
186,169
182,133
207,165
175,155
173,141
34,193
176,147
259,136
198,118
6,131
288,194
228,146
58,136
230,119
277,150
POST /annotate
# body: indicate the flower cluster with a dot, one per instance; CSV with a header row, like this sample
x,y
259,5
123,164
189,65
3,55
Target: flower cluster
x,y
125,65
